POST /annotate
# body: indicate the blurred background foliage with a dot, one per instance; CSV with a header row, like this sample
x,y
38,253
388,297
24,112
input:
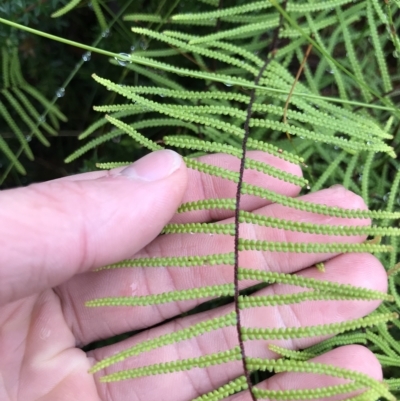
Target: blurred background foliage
x,y
46,65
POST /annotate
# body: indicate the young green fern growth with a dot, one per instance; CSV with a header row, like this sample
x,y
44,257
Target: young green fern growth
x,y
236,102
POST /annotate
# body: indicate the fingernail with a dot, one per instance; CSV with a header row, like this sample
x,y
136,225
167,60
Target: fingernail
x,y
154,166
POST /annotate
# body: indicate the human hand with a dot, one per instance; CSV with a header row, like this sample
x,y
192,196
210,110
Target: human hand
x,y
53,234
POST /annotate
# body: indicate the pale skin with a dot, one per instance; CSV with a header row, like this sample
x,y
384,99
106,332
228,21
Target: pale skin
x,y
54,234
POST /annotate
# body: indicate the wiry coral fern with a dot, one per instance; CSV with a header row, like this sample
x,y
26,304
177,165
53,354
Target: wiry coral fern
x,y
238,92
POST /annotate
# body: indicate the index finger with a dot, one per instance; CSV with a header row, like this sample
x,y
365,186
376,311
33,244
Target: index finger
x,y
203,186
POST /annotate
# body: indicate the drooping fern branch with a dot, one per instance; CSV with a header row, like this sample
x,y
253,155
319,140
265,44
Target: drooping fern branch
x,y
21,100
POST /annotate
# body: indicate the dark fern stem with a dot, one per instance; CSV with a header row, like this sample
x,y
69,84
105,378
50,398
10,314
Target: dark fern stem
x,y
273,49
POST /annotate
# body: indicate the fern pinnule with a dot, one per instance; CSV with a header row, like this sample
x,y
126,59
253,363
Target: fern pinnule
x,y
287,299
224,12
350,170
5,67
163,81
213,3
311,283
175,366
286,365
223,173
291,354
52,109
329,171
380,343
74,3
300,204
234,386
68,7
25,117
337,341
92,144
173,261
159,19
182,334
352,55
100,16
308,394
208,204
309,247
196,49
111,165
11,156
134,134
33,112
385,336
222,290
326,229
242,31
365,176
123,111
203,228
373,29
17,131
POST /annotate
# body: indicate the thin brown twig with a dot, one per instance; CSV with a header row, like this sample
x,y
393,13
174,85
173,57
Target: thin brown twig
x,y
299,72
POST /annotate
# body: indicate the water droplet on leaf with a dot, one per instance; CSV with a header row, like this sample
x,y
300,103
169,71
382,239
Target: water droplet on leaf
x,y
143,44
122,62
86,56
60,92
386,197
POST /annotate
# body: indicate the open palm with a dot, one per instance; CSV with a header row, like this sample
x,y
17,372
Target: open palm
x,y
53,235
